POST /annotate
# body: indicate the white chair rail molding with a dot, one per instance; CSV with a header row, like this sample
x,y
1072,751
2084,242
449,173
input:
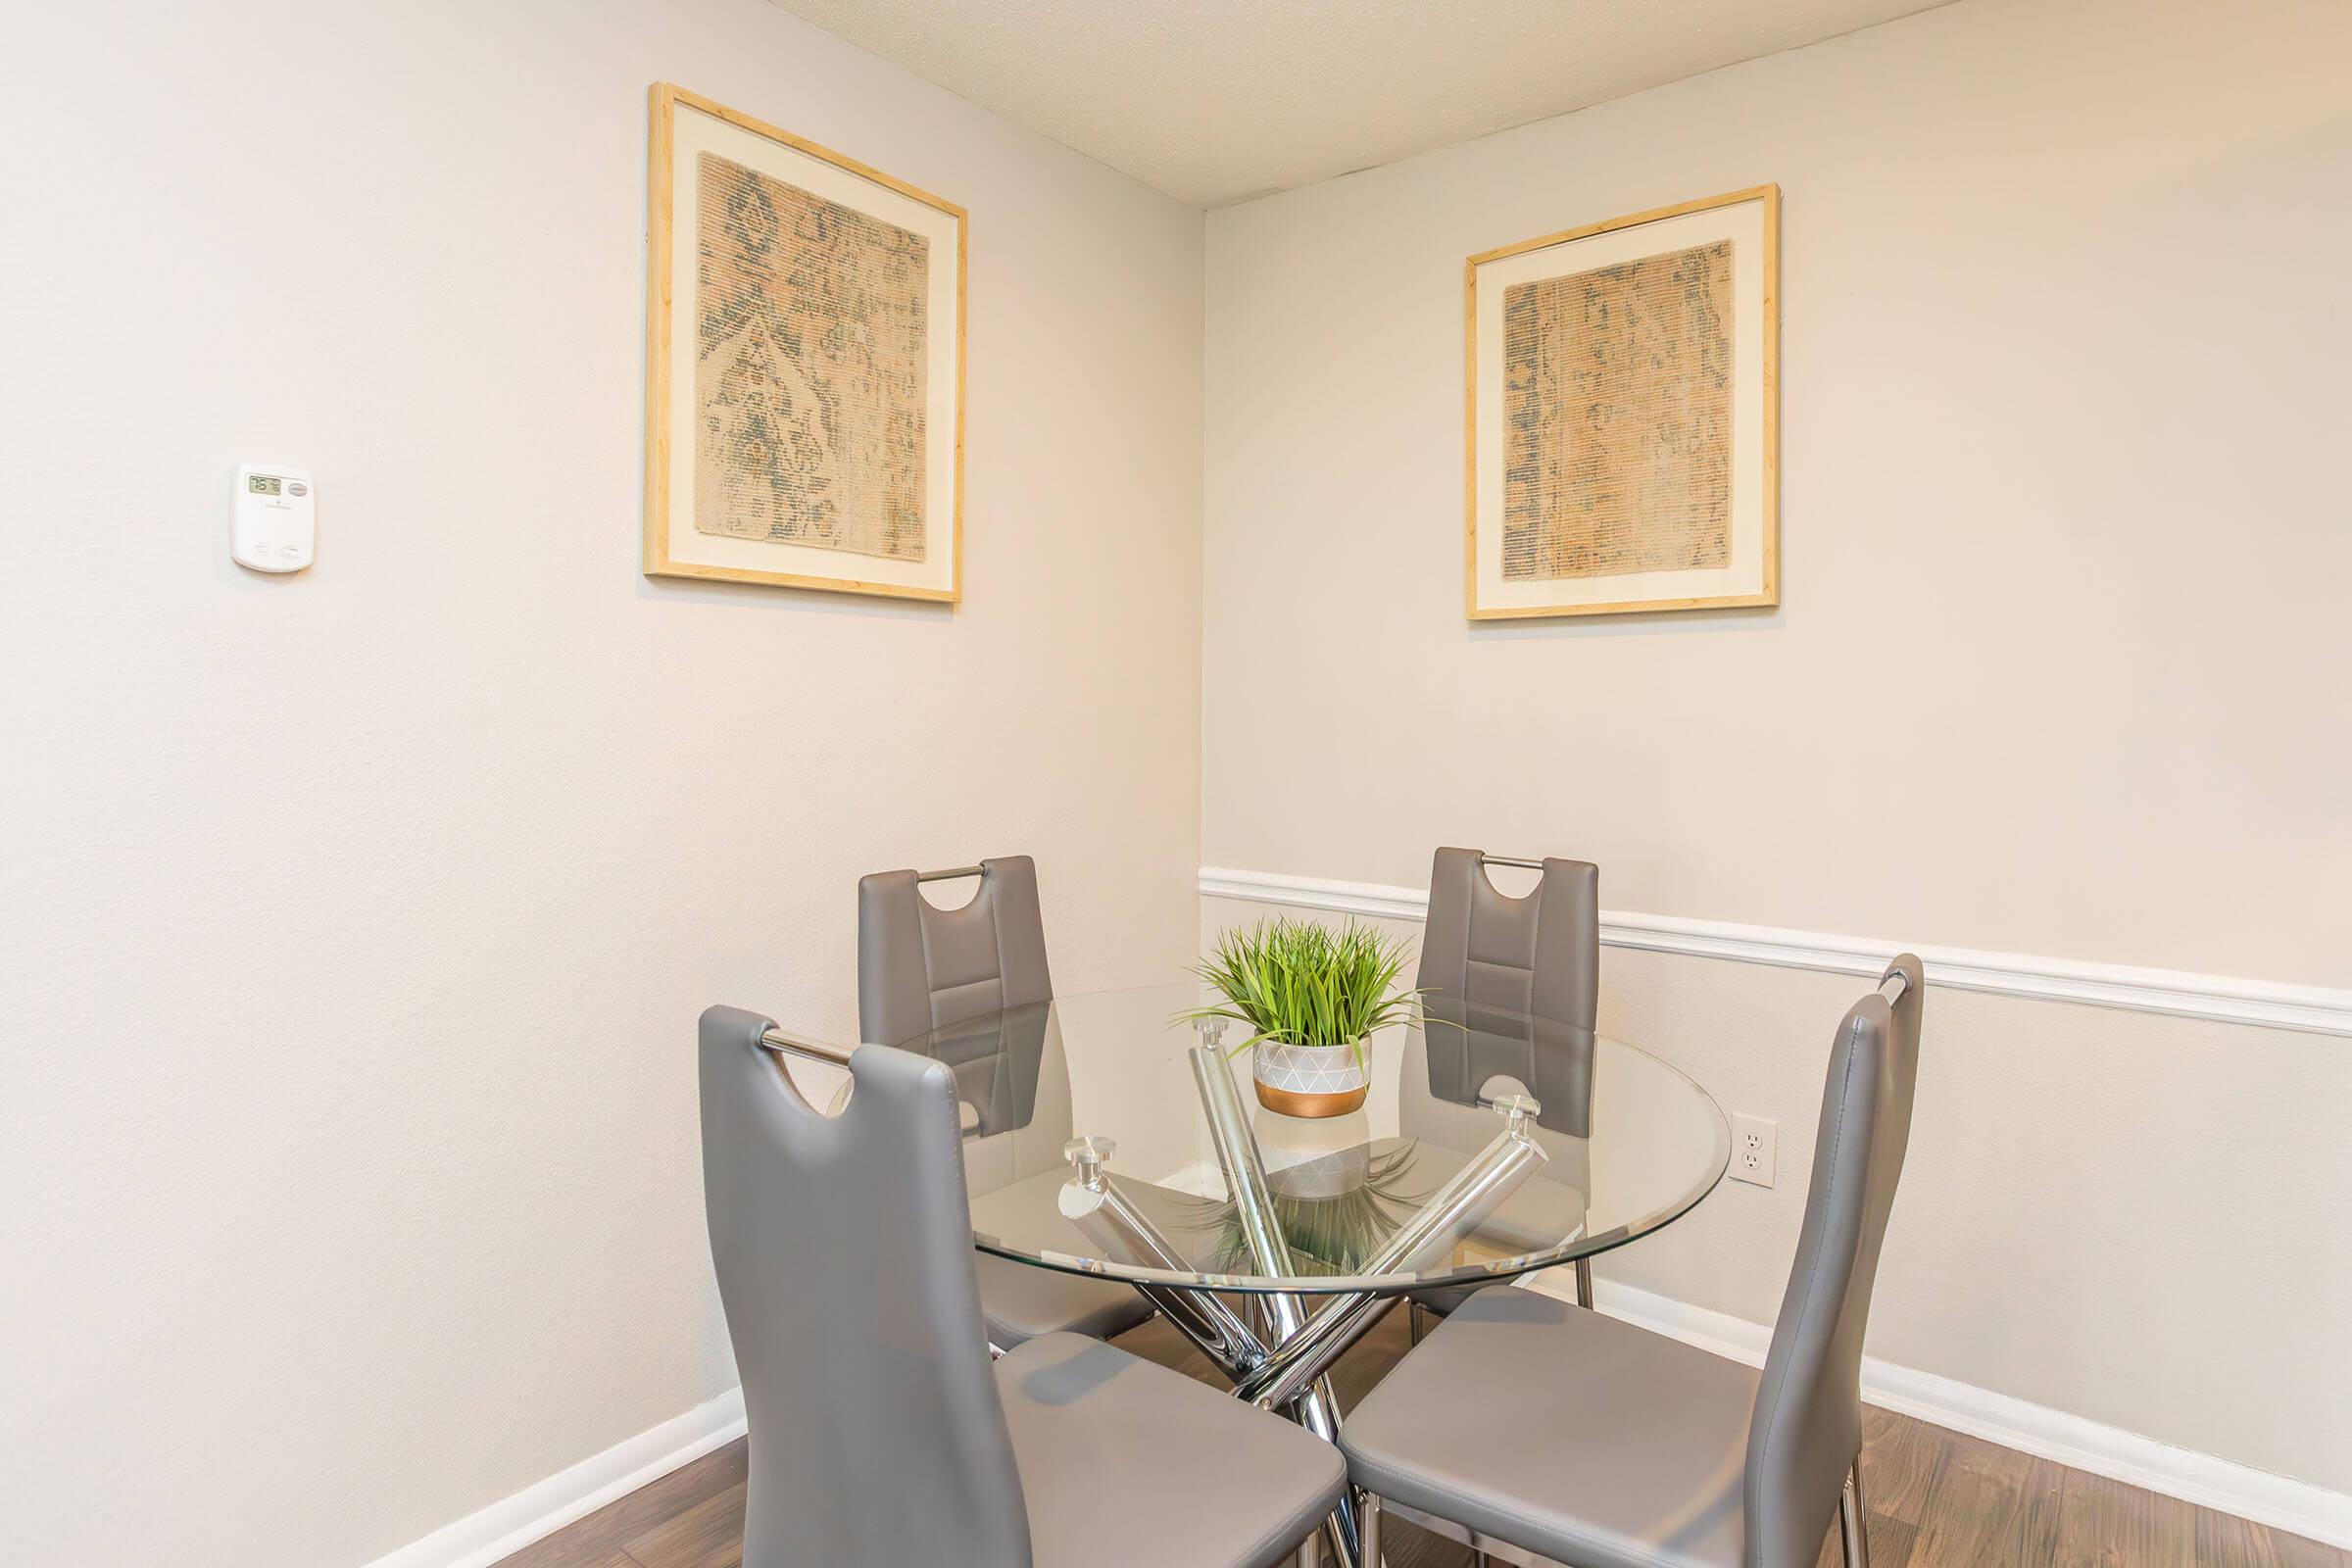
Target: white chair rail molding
x,y
2226,998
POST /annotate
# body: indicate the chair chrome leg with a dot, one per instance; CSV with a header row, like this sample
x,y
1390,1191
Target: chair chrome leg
x,y
995,1351
1850,1519
1310,1550
1368,1528
1318,1411
1583,1283
1413,1330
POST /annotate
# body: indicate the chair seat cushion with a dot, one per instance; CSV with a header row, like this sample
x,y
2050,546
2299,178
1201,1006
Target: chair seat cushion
x,y
1569,1434
1023,1302
1125,1462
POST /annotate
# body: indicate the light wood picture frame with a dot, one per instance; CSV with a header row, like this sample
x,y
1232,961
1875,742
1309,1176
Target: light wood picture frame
x,y
804,363
1622,420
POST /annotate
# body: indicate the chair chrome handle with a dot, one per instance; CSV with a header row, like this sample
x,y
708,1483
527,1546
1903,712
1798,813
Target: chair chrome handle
x,y
801,1046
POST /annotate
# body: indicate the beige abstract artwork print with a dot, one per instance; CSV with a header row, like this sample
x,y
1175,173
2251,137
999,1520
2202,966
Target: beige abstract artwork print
x,y
1617,419
811,391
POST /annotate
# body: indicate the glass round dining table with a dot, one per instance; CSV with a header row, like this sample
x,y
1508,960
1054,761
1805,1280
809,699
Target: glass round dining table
x,y
1109,1134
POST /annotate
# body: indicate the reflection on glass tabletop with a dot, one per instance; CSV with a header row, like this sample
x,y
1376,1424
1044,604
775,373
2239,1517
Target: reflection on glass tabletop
x,y
1098,1141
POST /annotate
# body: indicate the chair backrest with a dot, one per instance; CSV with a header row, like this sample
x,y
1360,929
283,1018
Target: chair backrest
x,y
1807,1426
1540,953
921,968
843,1252
1469,1047
997,1059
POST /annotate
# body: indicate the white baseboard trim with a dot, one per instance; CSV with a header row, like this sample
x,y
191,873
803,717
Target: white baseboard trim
x,y
512,1523
2296,1506
2266,1003
507,1526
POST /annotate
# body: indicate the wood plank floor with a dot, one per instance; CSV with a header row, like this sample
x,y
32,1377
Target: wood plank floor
x,y
1937,1500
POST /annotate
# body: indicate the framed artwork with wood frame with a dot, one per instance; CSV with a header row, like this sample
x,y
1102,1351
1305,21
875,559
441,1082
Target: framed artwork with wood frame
x,y
803,364
1623,386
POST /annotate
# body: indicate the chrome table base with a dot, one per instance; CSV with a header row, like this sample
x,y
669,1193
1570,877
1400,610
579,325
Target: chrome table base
x,y
1282,1361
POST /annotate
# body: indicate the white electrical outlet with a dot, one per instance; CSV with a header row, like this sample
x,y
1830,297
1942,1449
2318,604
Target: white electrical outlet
x,y
1756,1145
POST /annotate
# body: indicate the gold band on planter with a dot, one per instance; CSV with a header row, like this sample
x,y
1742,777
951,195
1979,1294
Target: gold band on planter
x,y
1286,1103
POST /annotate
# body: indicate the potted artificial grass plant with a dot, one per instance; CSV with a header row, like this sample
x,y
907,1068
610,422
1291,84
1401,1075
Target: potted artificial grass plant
x,y
1311,998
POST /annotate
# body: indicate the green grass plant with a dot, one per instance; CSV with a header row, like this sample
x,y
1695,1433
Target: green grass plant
x,y
1301,983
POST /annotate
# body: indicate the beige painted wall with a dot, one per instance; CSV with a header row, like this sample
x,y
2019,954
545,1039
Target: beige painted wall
x,y
354,926
2066,547
2066,534
2130,1218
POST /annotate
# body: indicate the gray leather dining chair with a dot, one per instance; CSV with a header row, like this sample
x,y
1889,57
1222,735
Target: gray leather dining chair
x,y
1538,953
920,968
1545,1433
880,1430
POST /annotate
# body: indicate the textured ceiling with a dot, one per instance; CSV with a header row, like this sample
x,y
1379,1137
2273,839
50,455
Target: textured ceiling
x,y
1215,101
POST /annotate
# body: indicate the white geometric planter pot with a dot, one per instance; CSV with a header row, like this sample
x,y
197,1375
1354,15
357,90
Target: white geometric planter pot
x,y
1307,1080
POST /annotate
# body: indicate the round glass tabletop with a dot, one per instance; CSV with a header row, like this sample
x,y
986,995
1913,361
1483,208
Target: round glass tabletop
x,y
1099,1140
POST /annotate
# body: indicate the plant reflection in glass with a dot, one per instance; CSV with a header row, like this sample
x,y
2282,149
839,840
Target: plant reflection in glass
x,y
1328,1235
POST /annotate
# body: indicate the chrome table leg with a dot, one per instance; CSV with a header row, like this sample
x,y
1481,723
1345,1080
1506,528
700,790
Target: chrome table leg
x,y
1237,1157
1318,1411
1091,1201
1289,1373
1246,1184
1852,1533
1292,1377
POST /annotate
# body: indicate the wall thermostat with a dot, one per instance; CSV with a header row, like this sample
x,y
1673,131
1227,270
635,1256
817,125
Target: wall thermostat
x,y
277,525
